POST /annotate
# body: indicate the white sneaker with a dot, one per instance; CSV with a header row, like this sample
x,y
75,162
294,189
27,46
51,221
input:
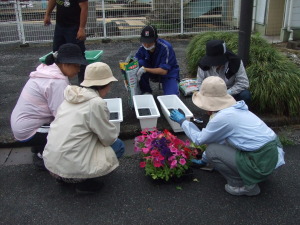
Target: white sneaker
x,y
147,93
250,190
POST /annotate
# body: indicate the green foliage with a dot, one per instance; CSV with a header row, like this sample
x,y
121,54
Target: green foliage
x,y
274,79
285,141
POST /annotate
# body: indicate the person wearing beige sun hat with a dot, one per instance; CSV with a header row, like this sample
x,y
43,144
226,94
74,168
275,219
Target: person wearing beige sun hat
x,y
240,145
82,143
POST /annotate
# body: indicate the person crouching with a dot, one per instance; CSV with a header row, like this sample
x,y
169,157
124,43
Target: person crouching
x,y
82,143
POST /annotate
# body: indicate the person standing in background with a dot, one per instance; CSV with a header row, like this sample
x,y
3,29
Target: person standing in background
x,y
71,18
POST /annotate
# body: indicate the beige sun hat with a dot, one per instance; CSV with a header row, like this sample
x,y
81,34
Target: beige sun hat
x,y
213,95
97,74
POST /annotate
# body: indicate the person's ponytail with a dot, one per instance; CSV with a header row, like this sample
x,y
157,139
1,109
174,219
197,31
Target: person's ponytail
x,y
50,59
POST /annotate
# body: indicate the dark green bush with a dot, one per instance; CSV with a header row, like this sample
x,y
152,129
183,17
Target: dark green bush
x,y
274,79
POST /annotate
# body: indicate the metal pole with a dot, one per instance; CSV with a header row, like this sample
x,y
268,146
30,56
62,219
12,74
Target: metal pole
x,y
245,30
181,17
19,19
103,19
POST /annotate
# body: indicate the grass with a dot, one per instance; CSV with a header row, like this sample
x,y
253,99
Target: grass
x,y
274,79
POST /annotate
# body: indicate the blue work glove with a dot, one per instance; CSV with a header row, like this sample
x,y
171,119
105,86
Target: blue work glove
x,y
140,72
199,162
177,116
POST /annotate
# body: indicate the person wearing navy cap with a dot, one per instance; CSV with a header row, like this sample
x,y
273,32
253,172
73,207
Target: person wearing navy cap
x,y
157,61
221,62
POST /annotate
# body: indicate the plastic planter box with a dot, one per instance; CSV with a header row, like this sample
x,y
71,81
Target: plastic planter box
x,y
115,108
146,111
91,56
169,102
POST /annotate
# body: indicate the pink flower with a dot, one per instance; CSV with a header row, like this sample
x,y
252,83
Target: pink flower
x,y
182,161
145,150
173,149
171,158
154,135
136,149
142,164
140,138
173,164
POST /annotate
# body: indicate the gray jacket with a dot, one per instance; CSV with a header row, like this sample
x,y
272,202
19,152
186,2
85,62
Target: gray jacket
x,y
235,84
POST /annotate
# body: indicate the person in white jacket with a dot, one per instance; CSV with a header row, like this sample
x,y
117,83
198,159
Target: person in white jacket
x,y
82,143
41,96
240,145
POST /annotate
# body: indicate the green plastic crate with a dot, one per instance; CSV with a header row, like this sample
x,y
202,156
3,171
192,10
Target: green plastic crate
x,y
91,56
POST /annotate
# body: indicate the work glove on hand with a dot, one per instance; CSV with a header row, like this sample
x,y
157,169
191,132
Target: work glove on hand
x,y
177,116
140,72
199,162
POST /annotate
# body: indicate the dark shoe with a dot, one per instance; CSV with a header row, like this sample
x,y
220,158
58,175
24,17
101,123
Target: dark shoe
x,y
89,186
38,162
37,149
249,190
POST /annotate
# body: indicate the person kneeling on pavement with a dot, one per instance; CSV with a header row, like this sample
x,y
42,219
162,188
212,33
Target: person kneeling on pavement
x,y
41,96
82,143
241,146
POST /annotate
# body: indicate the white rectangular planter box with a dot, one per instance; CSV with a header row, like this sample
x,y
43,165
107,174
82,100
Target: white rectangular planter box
x,y
146,111
168,102
115,108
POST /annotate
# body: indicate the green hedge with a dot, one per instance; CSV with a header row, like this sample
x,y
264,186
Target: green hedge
x,y
274,79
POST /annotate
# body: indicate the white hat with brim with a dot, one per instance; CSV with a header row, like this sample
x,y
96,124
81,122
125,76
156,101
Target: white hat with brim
x,y
97,74
213,95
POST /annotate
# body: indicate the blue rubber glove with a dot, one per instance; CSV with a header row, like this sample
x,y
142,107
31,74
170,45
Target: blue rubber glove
x,y
176,116
199,162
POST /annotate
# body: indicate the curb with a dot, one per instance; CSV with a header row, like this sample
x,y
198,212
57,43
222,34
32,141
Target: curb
x,y
129,131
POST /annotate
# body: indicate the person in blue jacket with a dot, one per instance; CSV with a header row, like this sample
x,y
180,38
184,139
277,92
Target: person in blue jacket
x,y
157,62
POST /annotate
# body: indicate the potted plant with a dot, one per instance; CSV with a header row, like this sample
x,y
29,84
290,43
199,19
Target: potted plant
x,y
163,155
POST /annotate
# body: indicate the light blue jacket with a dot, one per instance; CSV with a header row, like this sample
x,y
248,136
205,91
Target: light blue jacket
x,y
235,126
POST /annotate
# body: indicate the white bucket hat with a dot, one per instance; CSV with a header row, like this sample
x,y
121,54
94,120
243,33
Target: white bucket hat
x,y
97,74
213,95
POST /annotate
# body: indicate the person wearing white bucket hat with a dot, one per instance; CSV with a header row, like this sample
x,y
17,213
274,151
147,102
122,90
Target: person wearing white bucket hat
x,y
239,144
220,61
82,143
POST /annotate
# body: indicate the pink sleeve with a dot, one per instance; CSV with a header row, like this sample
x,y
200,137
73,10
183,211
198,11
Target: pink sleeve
x,y
55,94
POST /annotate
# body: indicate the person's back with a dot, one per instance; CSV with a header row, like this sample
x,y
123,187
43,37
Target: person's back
x,y
39,100
82,142
82,123
41,96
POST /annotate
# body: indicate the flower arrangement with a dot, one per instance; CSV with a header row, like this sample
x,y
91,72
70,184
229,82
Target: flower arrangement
x,y
164,156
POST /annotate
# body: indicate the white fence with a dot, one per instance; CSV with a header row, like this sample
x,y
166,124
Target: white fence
x,y
22,21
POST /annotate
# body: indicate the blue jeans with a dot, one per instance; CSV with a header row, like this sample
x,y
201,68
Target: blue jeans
x,y
63,35
119,148
243,95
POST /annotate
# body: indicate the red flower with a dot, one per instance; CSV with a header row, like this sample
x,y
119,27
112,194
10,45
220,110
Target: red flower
x,y
142,164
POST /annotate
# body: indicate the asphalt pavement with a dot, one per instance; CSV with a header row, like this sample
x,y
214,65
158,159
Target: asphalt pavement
x,y
28,196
